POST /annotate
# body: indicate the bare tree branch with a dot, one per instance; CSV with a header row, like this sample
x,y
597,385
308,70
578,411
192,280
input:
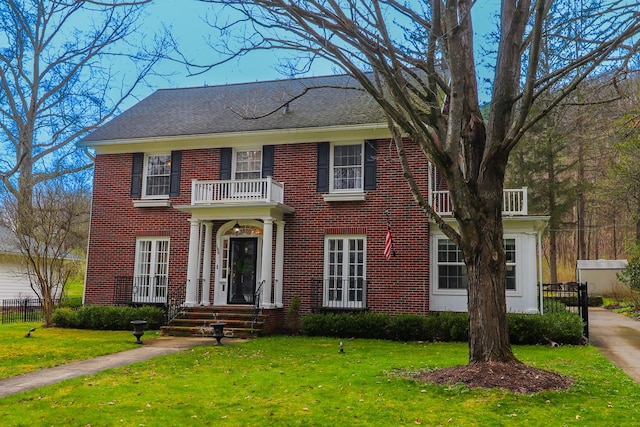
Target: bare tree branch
x,y
57,81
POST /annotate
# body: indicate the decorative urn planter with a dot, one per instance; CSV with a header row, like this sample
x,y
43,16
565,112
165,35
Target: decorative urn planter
x,y
218,331
138,329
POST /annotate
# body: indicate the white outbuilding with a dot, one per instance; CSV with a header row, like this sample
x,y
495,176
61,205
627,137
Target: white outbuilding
x,y
601,275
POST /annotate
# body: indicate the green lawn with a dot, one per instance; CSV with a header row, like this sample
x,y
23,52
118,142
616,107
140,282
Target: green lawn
x,y
74,287
307,382
54,346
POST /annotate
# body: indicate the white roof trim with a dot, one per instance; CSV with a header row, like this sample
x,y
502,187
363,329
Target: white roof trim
x,y
237,139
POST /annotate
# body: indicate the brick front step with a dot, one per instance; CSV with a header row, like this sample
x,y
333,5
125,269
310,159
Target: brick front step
x,y
240,322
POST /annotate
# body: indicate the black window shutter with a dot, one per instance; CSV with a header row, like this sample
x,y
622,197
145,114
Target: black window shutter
x,y
174,182
267,161
322,184
225,163
370,164
136,174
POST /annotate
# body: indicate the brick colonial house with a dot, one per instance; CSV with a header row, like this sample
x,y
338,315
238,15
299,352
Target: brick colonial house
x,y
251,194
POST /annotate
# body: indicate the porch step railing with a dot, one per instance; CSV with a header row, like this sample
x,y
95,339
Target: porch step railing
x,y
246,190
339,295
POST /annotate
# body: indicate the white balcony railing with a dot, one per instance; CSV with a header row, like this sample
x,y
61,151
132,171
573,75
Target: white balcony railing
x,y
246,190
514,202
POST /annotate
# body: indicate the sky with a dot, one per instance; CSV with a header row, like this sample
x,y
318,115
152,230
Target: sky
x,y
192,32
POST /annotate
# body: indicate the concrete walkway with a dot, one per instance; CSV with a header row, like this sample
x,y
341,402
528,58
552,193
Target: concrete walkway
x,y
152,348
618,339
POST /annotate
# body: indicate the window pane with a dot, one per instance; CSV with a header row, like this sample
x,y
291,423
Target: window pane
x,y
345,272
248,164
158,175
511,277
151,270
347,167
452,273
510,249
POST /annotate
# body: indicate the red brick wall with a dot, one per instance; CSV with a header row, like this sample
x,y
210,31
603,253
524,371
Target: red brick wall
x,y
398,285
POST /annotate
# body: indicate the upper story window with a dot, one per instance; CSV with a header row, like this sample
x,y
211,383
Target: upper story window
x,y
248,164
346,167
157,175
346,170
452,273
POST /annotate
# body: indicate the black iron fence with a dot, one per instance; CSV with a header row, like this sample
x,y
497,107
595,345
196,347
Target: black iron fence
x,y
571,296
339,295
142,290
31,309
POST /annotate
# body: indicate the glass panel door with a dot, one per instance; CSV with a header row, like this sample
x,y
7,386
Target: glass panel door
x,y
152,271
243,257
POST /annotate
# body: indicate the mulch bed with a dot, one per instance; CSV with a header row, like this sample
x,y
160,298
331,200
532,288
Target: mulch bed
x,y
516,377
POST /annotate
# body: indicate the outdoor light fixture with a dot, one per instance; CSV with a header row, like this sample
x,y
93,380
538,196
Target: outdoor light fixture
x,y
236,228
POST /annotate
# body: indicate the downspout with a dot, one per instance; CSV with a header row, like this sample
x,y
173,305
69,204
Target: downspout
x,y
540,291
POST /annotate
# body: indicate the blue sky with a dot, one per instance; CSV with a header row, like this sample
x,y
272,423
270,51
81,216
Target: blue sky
x,y
191,32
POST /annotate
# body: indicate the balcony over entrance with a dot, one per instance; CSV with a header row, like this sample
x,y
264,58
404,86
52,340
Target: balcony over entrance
x,y
236,191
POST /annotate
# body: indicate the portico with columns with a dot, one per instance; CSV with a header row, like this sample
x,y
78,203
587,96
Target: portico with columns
x,y
238,252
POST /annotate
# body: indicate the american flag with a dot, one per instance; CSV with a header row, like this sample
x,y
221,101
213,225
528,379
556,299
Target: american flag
x,y
388,243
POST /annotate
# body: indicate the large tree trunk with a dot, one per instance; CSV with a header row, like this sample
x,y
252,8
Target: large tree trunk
x,y
481,232
489,337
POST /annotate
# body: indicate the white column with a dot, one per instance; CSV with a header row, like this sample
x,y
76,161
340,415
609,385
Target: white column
x,y
267,255
191,297
206,263
278,286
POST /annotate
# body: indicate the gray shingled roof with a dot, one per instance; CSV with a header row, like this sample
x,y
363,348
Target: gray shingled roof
x,y
333,101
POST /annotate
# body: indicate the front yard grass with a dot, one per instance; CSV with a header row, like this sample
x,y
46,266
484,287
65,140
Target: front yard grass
x,y
54,346
284,381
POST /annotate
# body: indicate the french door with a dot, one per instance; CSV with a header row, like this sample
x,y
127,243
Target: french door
x,y
151,273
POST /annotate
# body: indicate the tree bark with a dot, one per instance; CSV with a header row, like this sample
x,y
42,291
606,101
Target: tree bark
x,y
487,305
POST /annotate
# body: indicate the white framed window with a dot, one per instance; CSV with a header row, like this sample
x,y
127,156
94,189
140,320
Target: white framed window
x,y
347,168
247,164
345,271
151,273
510,252
156,175
452,273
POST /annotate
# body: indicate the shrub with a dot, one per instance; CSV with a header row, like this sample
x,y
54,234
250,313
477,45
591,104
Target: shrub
x,y
412,327
74,302
346,325
631,274
104,317
64,317
562,327
553,305
292,318
451,326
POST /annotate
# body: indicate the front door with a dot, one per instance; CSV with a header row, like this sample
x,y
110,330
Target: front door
x,y
243,257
